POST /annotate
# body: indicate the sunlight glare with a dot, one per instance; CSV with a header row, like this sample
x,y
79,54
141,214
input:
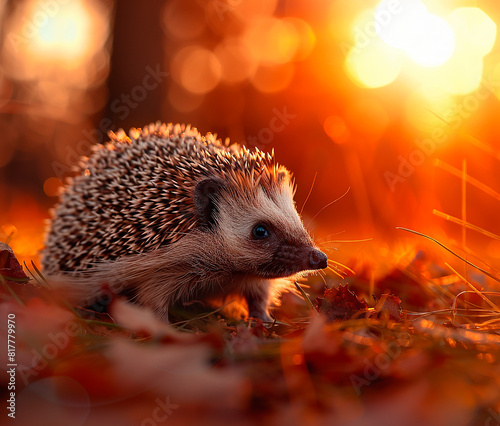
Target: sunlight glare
x,y
373,67
475,29
475,34
65,33
426,38
447,52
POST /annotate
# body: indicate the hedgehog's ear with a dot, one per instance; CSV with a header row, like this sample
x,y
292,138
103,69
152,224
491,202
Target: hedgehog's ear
x,y
205,196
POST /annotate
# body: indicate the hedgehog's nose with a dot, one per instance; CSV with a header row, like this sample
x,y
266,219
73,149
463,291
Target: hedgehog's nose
x,y
317,259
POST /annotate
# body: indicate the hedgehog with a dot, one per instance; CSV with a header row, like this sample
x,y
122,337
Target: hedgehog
x,y
170,217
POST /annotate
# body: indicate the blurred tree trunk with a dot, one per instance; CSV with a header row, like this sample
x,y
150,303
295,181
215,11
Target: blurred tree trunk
x,y
137,79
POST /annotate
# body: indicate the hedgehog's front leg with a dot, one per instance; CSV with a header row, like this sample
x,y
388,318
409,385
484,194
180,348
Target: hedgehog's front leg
x,y
258,295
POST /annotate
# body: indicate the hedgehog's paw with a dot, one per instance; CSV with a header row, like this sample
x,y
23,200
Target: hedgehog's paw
x,y
263,316
258,296
258,309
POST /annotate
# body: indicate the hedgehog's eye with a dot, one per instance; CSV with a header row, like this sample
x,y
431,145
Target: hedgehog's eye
x,y
260,231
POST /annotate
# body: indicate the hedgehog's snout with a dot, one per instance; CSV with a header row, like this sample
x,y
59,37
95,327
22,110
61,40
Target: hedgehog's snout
x,y
316,259
291,259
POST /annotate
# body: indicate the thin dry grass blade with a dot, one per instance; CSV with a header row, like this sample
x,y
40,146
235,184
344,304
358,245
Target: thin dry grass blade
x,y
496,293
481,145
309,193
305,296
33,275
469,138
470,180
12,292
9,238
464,207
451,251
466,224
40,274
474,289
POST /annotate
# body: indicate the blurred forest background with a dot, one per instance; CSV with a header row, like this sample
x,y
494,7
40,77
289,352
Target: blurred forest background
x,y
413,132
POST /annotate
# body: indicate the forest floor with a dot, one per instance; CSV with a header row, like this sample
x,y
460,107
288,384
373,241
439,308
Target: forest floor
x,y
418,345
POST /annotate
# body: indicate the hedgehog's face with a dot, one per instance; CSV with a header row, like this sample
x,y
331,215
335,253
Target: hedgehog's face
x,y
261,231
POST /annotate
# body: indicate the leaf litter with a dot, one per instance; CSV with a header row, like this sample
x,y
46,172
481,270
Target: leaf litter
x,y
423,348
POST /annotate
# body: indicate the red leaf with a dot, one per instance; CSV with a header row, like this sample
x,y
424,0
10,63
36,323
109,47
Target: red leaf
x,y
9,266
390,304
339,303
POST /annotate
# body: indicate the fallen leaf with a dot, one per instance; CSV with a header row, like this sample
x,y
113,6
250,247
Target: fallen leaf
x,y
339,303
138,319
142,321
184,372
9,265
390,305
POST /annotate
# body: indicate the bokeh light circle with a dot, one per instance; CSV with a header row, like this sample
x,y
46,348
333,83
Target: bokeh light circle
x,y
272,79
237,63
373,66
196,69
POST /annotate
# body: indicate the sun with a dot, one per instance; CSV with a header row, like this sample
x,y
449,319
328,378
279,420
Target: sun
x,y
425,38
443,52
